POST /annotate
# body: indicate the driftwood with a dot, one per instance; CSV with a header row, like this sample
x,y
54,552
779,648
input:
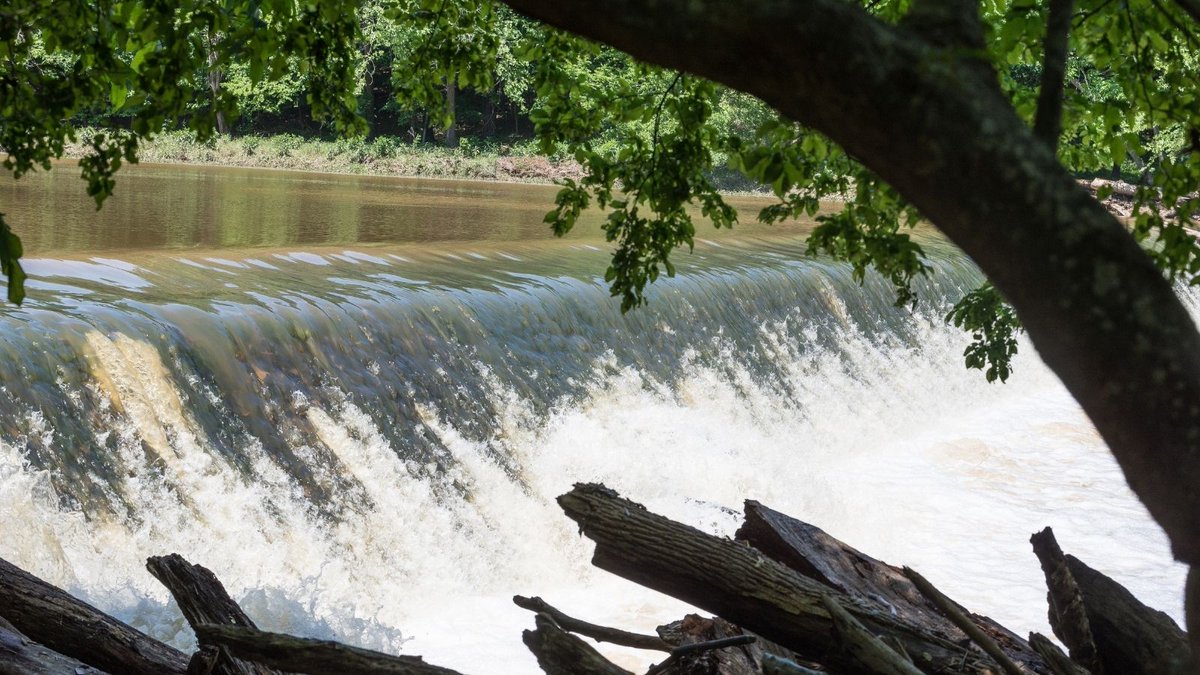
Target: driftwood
x,y
203,600
560,653
315,657
595,632
709,647
816,554
1060,663
1107,629
742,585
21,656
952,611
73,628
861,650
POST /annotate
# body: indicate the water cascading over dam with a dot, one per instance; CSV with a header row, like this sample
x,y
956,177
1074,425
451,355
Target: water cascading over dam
x,y
361,427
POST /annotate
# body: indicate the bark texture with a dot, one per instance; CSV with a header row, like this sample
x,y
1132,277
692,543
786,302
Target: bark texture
x,y
743,586
1107,629
21,656
560,653
203,600
74,628
316,657
815,554
931,120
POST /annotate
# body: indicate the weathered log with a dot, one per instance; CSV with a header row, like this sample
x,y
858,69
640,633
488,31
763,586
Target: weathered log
x,y
959,617
862,651
560,653
1107,629
71,627
203,600
703,647
1060,663
598,633
315,657
740,584
695,632
21,656
816,554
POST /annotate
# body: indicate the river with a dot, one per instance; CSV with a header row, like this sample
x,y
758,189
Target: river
x,y
355,399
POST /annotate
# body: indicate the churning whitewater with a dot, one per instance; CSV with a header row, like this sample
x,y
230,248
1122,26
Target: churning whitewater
x,y
364,442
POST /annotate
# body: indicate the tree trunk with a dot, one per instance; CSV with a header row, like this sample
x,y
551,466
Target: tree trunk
x,y
488,128
931,120
215,77
203,600
76,629
452,128
742,585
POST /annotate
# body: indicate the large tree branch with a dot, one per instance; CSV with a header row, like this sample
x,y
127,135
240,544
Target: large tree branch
x,y
935,125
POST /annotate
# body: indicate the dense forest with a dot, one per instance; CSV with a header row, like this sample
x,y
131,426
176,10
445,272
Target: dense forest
x,y
487,97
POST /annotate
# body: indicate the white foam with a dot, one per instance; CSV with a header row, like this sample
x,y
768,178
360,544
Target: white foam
x,y
898,450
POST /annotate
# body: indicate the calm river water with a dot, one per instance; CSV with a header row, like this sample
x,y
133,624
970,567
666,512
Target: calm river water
x,y
355,399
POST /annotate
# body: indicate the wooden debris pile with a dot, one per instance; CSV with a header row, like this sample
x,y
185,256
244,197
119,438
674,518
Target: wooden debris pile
x,y
787,597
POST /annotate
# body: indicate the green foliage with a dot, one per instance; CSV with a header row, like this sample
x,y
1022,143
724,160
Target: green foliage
x,y
649,140
139,59
993,326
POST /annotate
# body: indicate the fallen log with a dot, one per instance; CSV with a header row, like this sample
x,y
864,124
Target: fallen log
x,y
73,628
315,657
1116,632
862,651
21,656
560,653
818,555
598,633
952,611
203,600
742,585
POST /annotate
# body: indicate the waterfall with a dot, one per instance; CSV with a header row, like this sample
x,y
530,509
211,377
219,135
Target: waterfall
x,y
364,441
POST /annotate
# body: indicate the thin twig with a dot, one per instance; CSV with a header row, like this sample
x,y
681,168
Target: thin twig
x,y
697,647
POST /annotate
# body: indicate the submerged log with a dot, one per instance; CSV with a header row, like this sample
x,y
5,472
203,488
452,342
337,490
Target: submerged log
x,y
1107,629
560,653
598,633
21,656
315,657
742,585
203,600
74,628
816,554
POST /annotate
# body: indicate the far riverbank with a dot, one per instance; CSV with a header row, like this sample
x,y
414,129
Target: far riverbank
x,y
515,162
